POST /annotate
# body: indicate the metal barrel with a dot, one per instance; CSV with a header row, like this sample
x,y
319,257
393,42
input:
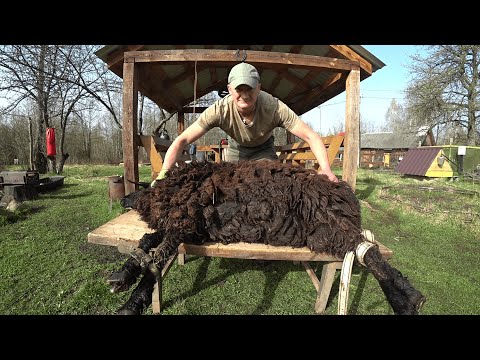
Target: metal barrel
x,y
116,187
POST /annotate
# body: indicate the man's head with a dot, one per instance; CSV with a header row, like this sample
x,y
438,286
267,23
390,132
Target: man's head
x,y
244,86
243,74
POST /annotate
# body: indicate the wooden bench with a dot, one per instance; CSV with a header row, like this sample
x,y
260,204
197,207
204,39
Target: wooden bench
x,y
126,230
296,153
299,153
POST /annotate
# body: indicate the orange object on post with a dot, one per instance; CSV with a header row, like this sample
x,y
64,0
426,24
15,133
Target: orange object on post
x,y
51,149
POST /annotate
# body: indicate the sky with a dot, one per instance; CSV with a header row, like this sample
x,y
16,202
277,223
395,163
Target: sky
x,y
376,92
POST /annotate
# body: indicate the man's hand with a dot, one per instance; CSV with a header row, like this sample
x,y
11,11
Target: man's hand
x,y
161,175
331,176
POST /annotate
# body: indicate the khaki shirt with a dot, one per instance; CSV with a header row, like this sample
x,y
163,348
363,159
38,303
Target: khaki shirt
x,y
270,113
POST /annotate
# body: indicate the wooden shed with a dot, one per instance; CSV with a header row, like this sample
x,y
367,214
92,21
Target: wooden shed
x,y
302,76
425,161
385,149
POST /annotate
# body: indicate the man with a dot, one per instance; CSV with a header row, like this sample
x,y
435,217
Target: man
x,y
248,115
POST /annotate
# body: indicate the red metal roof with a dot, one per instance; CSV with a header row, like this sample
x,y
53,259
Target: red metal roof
x,y
417,161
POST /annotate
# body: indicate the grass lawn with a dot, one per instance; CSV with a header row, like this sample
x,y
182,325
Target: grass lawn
x,y
47,266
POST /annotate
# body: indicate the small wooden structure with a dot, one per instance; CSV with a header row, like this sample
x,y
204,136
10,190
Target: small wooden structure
x,y
425,161
386,149
173,76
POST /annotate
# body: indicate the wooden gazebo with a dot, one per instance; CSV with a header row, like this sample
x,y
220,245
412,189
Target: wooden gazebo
x,y
302,76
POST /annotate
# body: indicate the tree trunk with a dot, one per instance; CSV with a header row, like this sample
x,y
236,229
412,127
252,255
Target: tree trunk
x,y
42,116
30,136
61,163
471,125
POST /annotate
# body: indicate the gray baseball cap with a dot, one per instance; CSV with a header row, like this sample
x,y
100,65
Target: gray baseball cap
x,y
243,73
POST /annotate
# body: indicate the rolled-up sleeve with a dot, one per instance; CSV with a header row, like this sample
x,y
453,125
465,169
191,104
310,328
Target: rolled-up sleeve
x,y
285,117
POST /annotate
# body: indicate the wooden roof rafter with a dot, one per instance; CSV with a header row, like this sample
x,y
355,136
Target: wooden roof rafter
x,y
159,90
302,86
222,83
117,56
349,54
334,85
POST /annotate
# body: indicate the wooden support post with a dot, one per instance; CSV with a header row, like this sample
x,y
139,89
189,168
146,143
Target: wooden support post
x,y
289,137
157,288
180,122
312,275
326,282
130,112
157,296
352,128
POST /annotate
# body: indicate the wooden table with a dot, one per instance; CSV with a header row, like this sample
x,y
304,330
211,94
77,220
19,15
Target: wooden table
x,y
126,230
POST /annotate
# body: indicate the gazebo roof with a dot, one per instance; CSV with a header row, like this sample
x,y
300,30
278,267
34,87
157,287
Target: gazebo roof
x,y
302,76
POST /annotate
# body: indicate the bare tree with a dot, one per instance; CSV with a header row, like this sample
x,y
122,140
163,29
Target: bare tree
x,y
395,118
56,77
366,125
93,76
445,88
24,76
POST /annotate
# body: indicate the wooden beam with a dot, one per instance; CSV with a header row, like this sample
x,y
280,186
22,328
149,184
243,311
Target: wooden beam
x,y
213,86
301,156
117,55
155,157
243,250
276,80
352,55
115,59
170,94
180,122
314,93
290,137
301,86
196,109
130,112
187,74
231,56
333,148
327,140
352,128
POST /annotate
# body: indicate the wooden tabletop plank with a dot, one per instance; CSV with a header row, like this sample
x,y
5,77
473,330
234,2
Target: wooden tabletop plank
x,y
126,230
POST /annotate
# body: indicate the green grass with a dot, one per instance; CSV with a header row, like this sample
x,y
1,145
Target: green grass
x,y
47,266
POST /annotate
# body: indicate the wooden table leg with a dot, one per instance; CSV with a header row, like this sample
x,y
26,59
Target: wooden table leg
x,y
157,297
181,259
157,287
326,282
